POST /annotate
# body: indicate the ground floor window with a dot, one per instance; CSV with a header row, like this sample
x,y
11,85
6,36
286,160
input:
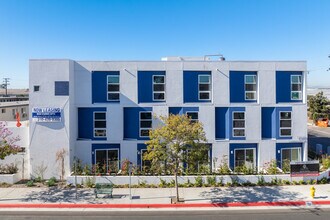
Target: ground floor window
x,y
145,164
289,155
198,163
106,161
245,158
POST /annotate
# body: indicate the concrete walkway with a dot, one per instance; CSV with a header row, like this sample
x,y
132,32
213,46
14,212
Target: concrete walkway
x,y
207,195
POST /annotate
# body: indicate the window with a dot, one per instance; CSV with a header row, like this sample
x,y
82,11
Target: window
x,y
204,87
61,88
296,87
198,163
238,124
290,155
158,88
250,87
36,88
245,157
193,116
145,164
100,124
113,88
107,160
3,110
145,123
285,124
22,110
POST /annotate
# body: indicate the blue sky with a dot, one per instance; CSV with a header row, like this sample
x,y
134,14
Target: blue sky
x,y
151,29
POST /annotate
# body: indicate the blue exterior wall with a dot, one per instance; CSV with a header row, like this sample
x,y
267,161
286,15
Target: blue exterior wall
x,y
237,86
145,84
221,122
280,146
232,148
100,86
268,122
190,86
104,147
132,123
86,123
182,110
283,86
277,120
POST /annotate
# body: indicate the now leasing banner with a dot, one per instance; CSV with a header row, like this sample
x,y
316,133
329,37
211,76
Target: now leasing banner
x,y
46,114
305,168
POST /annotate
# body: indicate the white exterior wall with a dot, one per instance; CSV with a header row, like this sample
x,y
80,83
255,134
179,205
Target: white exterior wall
x,y
47,138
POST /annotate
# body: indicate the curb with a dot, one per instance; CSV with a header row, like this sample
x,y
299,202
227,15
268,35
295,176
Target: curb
x,y
182,205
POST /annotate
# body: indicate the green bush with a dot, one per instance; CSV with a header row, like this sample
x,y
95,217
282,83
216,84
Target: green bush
x,y
163,183
211,180
324,180
261,181
90,182
223,167
198,181
51,182
30,183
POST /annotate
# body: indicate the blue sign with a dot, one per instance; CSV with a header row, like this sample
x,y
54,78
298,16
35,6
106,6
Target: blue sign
x,y
46,114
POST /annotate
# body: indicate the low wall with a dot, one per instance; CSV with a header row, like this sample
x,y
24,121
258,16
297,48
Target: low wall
x,y
10,178
121,180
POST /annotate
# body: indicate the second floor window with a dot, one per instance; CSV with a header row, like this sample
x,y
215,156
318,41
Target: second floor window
x,y
100,124
285,124
238,124
193,116
204,87
158,83
145,123
250,87
296,87
113,88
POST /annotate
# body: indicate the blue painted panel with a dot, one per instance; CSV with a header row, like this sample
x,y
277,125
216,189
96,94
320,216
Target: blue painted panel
x,y
230,122
139,148
277,121
85,123
182,110
104,147
145,84
220,123
232,148
190,86
99,86
280,146
237,86
283,86
267,122
131,122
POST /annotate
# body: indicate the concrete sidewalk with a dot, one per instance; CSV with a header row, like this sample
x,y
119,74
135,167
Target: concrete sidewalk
x,y
205,195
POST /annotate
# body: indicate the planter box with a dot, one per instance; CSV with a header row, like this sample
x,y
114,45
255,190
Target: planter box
x,y
10,178
121,180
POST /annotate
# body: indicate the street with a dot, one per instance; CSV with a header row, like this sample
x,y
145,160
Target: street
x,y
274,214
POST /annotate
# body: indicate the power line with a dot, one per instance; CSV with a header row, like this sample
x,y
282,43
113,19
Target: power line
x,y
5,84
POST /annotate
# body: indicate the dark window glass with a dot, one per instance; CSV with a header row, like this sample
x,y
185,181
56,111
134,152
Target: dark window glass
x,y
144,133
99,116
239,124
239,115
239,132
204,87
286,132
159,87
61,88
100,124
204,95
145,124
113,96
145,115
285,123
113,88
159,79
159,96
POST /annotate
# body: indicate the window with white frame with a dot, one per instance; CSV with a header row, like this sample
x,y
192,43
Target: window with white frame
x,y
107,160
145,164
145,123
290,155
158,84
113,88
239,124
250,87
285,124
245,157
100,124
193,116
296,87
204,87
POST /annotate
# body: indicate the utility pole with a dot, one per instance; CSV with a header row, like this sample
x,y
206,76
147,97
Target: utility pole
x,y
5,85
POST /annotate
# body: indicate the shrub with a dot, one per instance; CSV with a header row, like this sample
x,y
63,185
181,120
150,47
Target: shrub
x,y
8,169
87,170
325,162
261,181
198,181
285,182
142,184
243,169
172,183
163,183
211,180
324,180
271,167
90,182
223,167
30,183
51,182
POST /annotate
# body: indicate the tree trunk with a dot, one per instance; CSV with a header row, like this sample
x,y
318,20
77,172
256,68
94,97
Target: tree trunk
x,y
176,182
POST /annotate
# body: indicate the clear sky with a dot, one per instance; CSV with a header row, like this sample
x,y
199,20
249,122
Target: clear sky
x,y
151,29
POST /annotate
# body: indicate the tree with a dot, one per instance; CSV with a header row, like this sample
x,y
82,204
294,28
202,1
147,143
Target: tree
x,y
176,142
7,143
318,106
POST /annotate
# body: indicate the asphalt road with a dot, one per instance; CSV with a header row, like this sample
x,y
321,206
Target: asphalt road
x,y
287,214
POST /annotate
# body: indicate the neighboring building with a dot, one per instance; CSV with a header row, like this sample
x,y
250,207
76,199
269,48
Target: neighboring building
x,y
8,110
101,112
